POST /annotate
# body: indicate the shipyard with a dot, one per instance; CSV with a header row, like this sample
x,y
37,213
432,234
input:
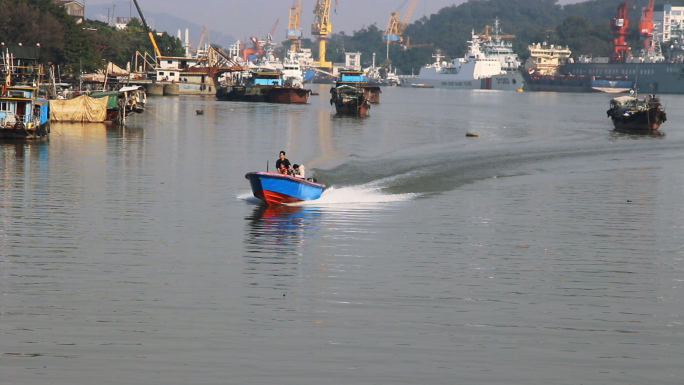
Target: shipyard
x,y
341,191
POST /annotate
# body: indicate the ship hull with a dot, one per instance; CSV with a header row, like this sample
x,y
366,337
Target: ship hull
x,y
562,83
288,95
268,94
662,78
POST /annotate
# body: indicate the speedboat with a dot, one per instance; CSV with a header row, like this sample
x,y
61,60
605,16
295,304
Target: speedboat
x,y
276,189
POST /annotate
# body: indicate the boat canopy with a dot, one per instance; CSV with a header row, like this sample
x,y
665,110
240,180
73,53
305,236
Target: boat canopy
x,y
112,97
352,76
81,109
622,100
131,88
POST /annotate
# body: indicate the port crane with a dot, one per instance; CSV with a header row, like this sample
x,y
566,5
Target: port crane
x,y
294,32
619,25
205,34
147,29
321,28
395,28
646,28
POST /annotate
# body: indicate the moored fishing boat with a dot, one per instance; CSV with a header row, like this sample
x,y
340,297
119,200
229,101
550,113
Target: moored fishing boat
x,y
263,86
22,114
275,188
349,100
630,113
357,79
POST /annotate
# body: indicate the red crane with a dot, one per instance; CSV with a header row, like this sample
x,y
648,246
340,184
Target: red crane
x,y
619,26
646,26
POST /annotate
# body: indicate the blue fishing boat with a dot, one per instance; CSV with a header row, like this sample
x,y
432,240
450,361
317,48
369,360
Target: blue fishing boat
x,y
274,188
22,114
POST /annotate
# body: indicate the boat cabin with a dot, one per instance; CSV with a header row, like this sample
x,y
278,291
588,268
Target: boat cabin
x,y
351,77
20,76
266,78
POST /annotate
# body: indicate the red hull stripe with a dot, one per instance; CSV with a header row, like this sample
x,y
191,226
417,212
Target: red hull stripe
x,y
272,197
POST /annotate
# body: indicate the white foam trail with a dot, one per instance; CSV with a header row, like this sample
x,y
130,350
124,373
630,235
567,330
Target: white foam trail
x,y
248,197
355,196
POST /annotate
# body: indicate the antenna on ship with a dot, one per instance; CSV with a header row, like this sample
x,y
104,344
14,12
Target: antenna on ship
x,y
636,79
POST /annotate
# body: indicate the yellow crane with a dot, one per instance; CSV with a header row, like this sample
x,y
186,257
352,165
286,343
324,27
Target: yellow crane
x,y
321,28
395,28
147,29
294,32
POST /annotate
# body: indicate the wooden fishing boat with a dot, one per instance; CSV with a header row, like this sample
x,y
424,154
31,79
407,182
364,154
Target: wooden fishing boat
x,y
639,115
276,189
357,79
288,95
22,114
349,100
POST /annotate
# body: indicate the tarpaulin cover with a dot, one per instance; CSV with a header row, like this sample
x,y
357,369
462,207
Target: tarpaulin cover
x,y
80,109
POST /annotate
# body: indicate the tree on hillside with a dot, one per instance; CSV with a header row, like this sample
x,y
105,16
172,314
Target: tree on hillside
x,y
577,33
120,46
42,22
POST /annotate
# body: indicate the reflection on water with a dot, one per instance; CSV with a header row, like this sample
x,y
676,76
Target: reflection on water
x,y
34,150
279,229
275,236
547,240
92,131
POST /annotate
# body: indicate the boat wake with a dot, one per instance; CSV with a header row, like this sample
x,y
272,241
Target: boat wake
x,y
357,196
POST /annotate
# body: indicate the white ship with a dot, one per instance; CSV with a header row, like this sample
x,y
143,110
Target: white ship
x,y
489,64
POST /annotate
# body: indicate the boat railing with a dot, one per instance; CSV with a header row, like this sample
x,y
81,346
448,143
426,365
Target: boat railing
x,y
9,119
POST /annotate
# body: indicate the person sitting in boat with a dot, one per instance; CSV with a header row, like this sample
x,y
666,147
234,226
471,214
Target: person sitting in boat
x,y
299,171
283,164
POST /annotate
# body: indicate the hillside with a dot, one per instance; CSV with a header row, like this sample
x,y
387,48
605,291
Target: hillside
x,y
585,27
160,21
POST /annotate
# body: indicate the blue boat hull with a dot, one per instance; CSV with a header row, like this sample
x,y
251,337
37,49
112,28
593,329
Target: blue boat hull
x,y
275,189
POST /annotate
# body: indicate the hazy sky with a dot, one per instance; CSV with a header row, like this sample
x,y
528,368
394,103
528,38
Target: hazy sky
x,y
245,18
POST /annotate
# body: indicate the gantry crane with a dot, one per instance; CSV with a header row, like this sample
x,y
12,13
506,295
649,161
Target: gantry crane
x,y
147,29
395,28
646,27
321,28
294,32
619,26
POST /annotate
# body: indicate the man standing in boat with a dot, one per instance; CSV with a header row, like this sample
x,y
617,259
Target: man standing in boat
x,y
283,164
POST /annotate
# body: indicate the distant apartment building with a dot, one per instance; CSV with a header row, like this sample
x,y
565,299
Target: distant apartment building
x,y
73,8
668,20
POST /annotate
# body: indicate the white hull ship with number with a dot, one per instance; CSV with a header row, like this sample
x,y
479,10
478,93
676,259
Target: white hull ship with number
x,y
481,68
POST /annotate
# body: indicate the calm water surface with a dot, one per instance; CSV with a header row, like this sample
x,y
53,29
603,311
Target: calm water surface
x,y
548,250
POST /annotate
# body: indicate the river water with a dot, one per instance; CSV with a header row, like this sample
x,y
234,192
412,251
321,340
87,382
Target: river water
x,y
548,250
